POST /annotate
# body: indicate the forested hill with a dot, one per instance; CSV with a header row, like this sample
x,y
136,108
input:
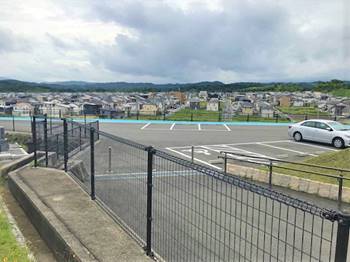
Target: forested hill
x,y
337,87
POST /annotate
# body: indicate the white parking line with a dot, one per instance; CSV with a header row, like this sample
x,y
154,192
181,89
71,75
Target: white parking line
x,y
146,125
316,146
196,159
237,144
249,152
286,149
199,127
172,126
228,129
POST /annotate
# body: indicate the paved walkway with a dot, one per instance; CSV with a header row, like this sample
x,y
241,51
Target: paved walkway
x,y
91,234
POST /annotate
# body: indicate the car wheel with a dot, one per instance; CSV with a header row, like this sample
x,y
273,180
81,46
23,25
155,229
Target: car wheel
x,y
338,142
297,136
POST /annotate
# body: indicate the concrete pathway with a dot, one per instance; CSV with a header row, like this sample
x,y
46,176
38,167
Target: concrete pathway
x,y
75,227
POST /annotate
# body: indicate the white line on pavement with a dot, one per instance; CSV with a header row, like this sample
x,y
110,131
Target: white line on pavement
x,y
172,126
199,127
189,130
248,152
286,149
196,159
316,146
228,129
236,144
146,125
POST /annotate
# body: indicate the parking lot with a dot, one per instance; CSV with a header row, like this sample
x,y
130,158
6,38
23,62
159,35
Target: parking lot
x,y
208,139
280,149
261,145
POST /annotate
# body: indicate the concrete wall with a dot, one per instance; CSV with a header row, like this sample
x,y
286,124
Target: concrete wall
x,y
295,183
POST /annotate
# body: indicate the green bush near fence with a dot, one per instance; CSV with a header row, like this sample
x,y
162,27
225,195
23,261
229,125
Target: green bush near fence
x,y
21,139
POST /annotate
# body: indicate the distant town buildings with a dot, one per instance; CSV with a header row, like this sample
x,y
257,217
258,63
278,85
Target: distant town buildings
x,y
122,105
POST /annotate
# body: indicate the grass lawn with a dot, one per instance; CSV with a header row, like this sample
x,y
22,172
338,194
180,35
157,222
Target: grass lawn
x,y
339,159
10,251
296,110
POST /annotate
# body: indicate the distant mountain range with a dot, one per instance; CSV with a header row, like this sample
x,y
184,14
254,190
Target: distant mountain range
x,y
10,85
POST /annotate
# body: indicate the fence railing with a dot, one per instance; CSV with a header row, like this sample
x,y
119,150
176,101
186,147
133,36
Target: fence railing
x,y
274,164
183,211
59,140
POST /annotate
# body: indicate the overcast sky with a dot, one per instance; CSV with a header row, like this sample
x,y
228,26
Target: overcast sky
x,y
175,40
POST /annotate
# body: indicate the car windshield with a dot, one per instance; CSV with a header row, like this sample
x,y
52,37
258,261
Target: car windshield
x,y
338,126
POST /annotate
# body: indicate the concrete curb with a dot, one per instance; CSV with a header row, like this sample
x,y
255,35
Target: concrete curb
x,y
233,123
15,164
321,189
47,224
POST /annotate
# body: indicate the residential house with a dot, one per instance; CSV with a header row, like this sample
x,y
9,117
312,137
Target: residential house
x,y
91,109
6,110
265,109
149,109
132,108
285,101
181,97
203,95
23,109
247,108
195,103
213,105
298,103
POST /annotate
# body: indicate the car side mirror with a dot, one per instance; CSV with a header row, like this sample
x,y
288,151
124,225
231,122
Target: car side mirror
x,y
329,129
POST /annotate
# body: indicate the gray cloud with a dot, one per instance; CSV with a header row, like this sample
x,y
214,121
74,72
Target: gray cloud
x,y
249,39
9,42
159,40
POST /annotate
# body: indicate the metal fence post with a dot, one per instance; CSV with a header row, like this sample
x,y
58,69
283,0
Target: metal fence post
x,y
80,138
51,124
46,142
192,154
225,163
341,248
340,191
65,144
34,141
57,146
98,129
13,123
148,247
92,164
270,174
109,159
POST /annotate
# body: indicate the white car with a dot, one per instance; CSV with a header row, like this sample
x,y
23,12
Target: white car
x,y
323,131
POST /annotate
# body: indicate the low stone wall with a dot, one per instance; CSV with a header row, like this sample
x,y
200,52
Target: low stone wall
x,y
292,182
15,164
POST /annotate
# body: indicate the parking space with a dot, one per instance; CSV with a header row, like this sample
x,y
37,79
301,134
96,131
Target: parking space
x,y
195,127
186,127
278,149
